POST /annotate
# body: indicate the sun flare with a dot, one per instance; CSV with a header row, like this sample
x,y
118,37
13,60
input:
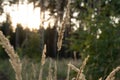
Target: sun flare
x,y
25,14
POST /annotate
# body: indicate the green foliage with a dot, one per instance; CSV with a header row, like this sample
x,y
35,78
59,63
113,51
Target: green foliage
x,y
31,46
100,39
20,35
6,69
3,54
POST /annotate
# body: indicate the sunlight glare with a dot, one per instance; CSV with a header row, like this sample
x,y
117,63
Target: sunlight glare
x,y
2,18
28,16
25,15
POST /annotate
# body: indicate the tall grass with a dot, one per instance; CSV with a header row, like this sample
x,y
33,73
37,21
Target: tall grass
x,y
14,58
35,72
65,21
111,76
42,62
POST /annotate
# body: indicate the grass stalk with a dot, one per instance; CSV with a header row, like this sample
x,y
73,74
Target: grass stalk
x,y
68,72
73,67
111,76
55,70
50,71
80,75
14,58
64,22
42,62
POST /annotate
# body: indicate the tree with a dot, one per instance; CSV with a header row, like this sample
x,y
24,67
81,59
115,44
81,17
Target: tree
x,y
20,36
51,42
98,36
31,45
6,26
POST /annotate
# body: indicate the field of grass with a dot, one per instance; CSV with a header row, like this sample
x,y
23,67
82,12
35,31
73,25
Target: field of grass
x,y
31,69
47,69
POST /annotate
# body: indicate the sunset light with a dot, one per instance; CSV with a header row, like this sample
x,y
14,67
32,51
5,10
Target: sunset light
x,y
25,14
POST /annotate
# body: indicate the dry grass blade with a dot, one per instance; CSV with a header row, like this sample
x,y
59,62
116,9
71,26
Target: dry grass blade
x,y
80,75
100,78
73,67
50,72
43,55
42,62
111,76
14,58
65,21
68,72
34,71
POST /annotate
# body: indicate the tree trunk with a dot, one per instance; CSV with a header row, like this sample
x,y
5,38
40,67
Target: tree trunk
x,y
51,42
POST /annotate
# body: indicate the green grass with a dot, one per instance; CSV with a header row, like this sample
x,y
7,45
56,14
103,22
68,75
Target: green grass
x,y
6,69
30,69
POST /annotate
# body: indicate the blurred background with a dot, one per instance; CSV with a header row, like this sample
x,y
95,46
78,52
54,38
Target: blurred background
x,y
78,27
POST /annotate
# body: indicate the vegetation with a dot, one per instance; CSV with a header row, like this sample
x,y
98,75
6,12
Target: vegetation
x,y
98,36
97,24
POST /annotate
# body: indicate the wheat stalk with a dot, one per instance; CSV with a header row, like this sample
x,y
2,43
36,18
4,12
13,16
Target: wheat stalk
x,y
14,58
112,74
